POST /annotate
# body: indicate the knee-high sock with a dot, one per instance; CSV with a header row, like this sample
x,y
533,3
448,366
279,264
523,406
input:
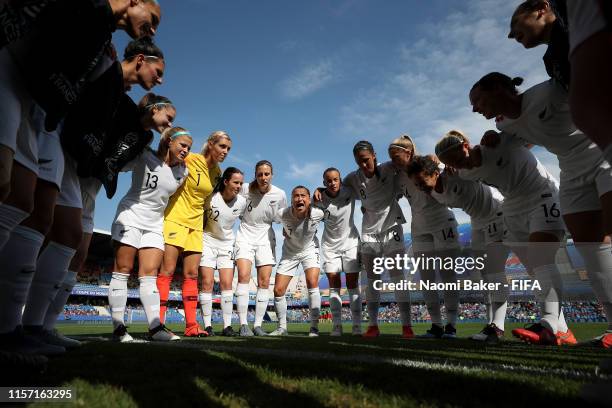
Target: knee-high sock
x,y
10,217
432,300
263,295
562,325
314,303
335,304
550,296
280,304
598,260
57,305
402,297
495,272
206,306
242,301
227,305
117,297
190,300
355,303
149,297
51,269
18,260
372,302
163,287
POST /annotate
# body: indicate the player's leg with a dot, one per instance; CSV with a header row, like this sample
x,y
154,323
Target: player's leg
x,y
264,261
205,296
351,264
226,276
166,273
312,273
118,287
191,264
244,267
284,274
335,301
423,248
372,295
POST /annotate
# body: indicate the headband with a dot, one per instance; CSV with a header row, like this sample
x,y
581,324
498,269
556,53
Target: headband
x,y
180,133
396,146
152,105
451,142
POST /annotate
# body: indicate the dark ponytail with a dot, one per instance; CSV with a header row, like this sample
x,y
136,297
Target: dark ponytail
x,y
227,175
496,80
142,46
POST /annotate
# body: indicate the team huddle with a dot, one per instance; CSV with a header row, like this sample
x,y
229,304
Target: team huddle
x,y
69,128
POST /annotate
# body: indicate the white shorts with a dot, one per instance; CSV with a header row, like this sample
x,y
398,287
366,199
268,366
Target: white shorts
x,y
137,237
546,216
217,258
19,120
259,255
388,242
336,262
492,232
50,158
90,187
585,19
70,190
581,194
308,259
443,240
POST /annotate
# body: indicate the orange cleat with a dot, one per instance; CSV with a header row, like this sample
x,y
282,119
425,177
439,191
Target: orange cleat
x,y
566,338
407,332
195,331
372,332
536,334
603,341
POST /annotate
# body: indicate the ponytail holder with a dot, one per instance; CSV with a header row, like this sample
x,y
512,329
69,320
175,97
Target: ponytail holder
x,y
180,133
396,146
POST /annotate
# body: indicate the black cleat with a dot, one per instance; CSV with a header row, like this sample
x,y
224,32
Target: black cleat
x,y
228,332
209,330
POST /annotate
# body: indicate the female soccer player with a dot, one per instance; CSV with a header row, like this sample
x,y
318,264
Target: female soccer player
x,y
382,234
256,243
483,204
300,247
138,229
340,248
531,216
222,208
183,226
434,235
541,116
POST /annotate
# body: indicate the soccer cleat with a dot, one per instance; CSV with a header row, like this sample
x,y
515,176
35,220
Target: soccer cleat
x,y
566,338
372,332
210,331
450,332
228,332
436,332
336,330
162,333
19,342
245,331
56,338
276,333
121,335
490,334
356,331
536,334
259,332
407,332
603,341
195,331
314,332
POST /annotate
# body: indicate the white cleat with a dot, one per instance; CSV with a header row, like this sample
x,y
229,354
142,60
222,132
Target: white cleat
x,y
356,330
336,330
121,335
58,339
279,332
314,332
162,333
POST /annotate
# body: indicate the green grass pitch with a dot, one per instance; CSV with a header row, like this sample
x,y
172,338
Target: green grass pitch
x,y
329,371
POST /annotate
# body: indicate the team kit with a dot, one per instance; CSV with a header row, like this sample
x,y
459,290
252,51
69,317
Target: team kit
x,y
70,128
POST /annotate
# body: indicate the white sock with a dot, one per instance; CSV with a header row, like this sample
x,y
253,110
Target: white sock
x,y
335,304
451,298
242,302
432,300
263,295
562,325
149,297
402,298
355,302
280,304
499,314
205,299
117,297
314,303
550,296
486,295
10,217
51,269
18,260
598,262
57,305
372,303
227,305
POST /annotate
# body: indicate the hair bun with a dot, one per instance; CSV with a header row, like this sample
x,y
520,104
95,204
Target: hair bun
x,y
517,81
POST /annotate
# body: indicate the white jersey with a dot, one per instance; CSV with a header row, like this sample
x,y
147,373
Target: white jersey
x,y
300,234
256,223
428,215
219,219
340,233
516,173
153,182
479,201
546,121
381,210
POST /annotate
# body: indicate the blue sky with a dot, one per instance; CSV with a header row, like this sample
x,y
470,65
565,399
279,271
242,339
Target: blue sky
x,y
298,83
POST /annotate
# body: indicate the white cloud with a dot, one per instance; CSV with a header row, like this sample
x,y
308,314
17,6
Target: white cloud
x,y
308,80
308,174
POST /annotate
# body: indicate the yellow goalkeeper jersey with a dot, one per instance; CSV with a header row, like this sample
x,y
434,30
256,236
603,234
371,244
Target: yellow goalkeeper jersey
x,y
186,206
